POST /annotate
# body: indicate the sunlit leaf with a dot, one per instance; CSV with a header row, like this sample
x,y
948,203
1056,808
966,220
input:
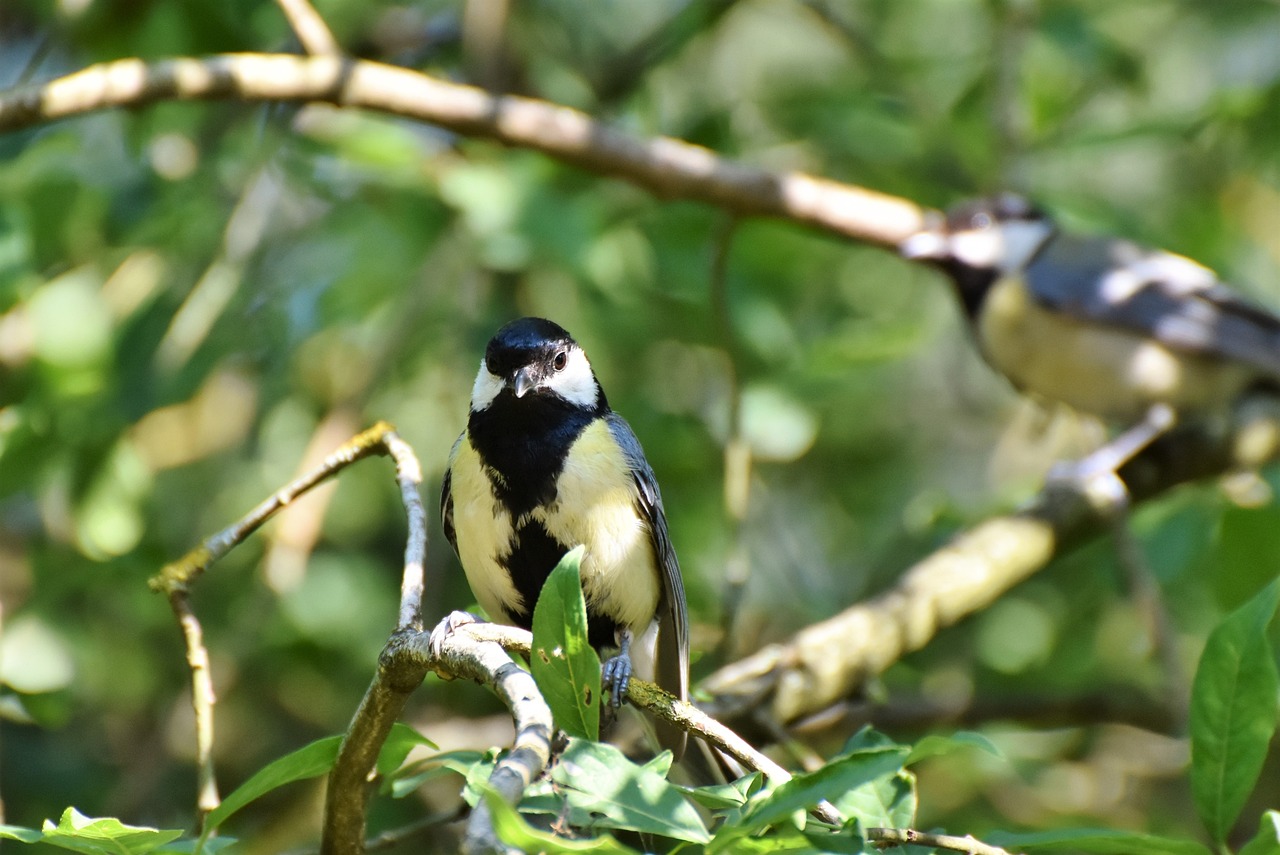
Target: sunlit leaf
x,y
80,833
604,789
563,662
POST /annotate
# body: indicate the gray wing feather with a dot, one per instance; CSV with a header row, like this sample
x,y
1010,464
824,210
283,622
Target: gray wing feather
x,y
1165,296
672,659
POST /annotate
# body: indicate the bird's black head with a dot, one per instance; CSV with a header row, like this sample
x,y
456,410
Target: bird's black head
x,y
979,241
535,357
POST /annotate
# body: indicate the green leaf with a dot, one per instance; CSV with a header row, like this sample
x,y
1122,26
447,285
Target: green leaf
x,y
1233,711
14,832
400,741
1267,840
1094,841
936,745
889,801
831,782
406,781
80,833
725,796
604,788
514,831
564,665
309,761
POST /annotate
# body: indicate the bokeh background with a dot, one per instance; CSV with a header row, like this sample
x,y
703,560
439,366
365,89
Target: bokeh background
x,y
198,300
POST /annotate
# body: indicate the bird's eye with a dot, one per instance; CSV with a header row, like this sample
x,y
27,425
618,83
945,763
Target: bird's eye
x,y
561,360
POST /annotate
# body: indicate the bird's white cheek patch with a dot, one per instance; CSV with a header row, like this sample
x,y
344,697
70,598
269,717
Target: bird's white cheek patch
x,y
483,530
486,388
576,383
595,505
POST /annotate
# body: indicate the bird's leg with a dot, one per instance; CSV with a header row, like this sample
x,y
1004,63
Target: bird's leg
x,y
616,673
1098,473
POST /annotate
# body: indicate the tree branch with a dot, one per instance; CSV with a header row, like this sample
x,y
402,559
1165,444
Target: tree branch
x,y
832,660
883,838
667,167
312,32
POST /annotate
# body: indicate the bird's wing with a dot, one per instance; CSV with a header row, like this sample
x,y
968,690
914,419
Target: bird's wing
x,y
672,657
446,497
1168,297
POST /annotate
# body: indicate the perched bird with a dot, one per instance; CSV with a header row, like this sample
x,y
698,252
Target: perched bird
x,y
545,465
1131,334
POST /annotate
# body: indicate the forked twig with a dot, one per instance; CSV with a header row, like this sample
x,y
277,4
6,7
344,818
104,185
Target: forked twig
x,y
175,579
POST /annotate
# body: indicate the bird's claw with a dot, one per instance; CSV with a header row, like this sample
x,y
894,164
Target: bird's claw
x,y
615,676
441,632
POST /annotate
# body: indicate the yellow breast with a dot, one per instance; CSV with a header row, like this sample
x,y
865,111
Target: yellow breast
x,y
595,505
1107,371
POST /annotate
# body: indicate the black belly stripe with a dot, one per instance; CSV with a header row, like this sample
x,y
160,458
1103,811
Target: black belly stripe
x,y
524,443
534,554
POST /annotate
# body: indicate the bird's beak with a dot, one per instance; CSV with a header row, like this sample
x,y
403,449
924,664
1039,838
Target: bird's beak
x,y
924,246
523,381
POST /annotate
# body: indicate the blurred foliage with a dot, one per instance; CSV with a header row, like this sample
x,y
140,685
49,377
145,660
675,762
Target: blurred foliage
x,y
197,299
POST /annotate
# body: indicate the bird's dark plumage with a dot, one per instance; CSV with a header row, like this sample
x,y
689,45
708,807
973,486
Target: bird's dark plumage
x,y
545,465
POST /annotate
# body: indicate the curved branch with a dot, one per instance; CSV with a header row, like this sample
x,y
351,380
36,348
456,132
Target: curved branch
x,y
669,168
468,651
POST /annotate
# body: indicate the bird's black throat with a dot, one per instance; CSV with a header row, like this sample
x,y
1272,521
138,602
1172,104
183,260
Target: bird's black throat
x,y
523,443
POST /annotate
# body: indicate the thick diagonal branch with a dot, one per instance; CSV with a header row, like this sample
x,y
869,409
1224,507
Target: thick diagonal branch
x,y
830,661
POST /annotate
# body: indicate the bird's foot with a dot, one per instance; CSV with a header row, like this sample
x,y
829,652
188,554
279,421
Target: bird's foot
x,y
1097,476
615,676
445,628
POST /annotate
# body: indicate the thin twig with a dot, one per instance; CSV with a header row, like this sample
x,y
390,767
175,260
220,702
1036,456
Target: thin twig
x,y
202,702
312,32
186,570
175,579
1149,599
883,838
667,167
409,477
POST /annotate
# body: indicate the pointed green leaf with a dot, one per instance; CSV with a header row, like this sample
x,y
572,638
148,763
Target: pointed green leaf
x,y
563,663
725,796
309,761
605,789
1267,840
1233,711
1095,842
80,833
514,831
831,782
936,745
400,741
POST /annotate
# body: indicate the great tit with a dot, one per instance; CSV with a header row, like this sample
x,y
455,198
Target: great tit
x,y
545,465
1103,325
